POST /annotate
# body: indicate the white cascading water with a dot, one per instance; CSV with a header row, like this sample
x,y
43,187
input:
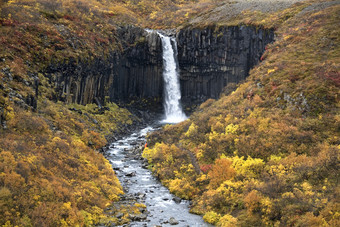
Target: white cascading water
x,y
172,96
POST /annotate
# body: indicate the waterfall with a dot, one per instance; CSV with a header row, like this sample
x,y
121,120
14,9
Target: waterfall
x,y
172,93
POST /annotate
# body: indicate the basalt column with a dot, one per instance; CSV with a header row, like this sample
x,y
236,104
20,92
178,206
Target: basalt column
x,y
138,72
132,71
211,58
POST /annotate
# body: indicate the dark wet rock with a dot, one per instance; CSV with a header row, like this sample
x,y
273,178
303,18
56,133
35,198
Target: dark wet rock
x,y
132,72
211,58
137,217
140,195
173,221
177,199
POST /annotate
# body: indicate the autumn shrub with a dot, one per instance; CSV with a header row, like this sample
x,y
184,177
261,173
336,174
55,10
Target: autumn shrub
x,y
220,172
227,220
211,217
182,188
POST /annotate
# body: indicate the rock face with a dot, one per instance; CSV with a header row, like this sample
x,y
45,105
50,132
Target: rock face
x,y
134,72
211,58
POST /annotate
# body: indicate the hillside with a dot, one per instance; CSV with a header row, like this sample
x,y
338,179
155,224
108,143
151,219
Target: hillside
x,y
266,154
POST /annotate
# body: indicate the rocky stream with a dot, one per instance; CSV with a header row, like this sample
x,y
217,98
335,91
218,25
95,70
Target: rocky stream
x,y
140,186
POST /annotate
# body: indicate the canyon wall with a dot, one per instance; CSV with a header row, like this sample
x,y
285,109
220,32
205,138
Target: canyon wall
x,y
131,72
208,58
211,58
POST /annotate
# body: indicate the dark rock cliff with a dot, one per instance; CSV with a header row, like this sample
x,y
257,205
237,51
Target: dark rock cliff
x,y
134,71
211,58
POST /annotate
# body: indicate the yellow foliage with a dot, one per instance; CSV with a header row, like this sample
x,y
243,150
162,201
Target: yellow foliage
x,y
231,129
149,153
250,168
182,188
227,221
212,217
192,130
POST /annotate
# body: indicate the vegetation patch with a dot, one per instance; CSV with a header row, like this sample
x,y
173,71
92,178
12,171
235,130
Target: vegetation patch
x,y
51,173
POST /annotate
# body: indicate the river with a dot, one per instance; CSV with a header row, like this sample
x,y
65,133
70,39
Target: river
x,y
162,208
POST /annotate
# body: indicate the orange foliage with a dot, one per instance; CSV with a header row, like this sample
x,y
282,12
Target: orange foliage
x,y
220,172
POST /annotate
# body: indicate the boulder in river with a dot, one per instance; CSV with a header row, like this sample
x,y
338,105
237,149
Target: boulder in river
x,y
173,221
132,174
138,217
177,199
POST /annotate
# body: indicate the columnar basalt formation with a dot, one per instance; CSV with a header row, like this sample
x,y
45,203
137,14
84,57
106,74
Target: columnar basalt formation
x,y
133,71
211,58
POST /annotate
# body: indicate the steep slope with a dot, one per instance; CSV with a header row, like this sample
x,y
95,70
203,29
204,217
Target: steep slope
x,y
266,154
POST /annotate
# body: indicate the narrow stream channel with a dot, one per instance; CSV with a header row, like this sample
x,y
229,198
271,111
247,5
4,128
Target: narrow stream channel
x,y
163,208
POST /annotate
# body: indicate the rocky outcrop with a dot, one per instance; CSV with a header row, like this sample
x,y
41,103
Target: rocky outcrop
x,y
211,58
133,71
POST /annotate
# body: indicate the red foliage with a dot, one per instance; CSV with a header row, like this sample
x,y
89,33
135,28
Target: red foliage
x,y
263,57
205,168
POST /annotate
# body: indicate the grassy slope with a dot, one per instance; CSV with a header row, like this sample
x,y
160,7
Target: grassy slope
x,y
268,153
51,174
